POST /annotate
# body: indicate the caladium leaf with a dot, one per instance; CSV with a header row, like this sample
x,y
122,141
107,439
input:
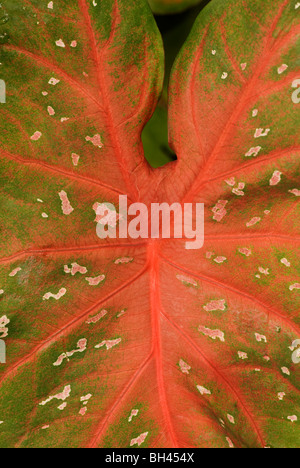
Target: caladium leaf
x,y
162,7
143,343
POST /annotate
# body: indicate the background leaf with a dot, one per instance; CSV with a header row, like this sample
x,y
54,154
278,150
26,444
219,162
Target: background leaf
x,y
162,7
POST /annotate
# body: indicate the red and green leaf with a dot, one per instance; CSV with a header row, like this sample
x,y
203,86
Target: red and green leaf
x,y
169,348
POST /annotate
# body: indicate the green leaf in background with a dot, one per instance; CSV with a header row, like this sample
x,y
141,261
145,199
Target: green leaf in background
x,y
174,30
162,7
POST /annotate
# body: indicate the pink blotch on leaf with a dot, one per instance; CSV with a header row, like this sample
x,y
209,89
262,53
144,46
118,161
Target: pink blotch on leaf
x,y
96,140
203,390
50,110
253,221
97,317
295,192
253,151
14,272
75,268
36,136
186,280
219,210
75,159
184,367
109,343
57,296
214,334
53,81
245,251
294,286
282,68
215,305
60,43
123,260
276,178
133,413
260,132
66,206
95,281
139,440
220,259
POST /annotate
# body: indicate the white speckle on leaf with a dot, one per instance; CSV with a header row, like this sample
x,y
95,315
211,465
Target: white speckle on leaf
x,y
57,296
285,371
260,338
230,443
66,206
81,347
75,268
184,367
260,132
187,281
36,136
60,43
230,418
282,68
123,260
97,317
139,440
133,414
83,411
230,182
239,189
4,321
276,178
245,251
264,271
213,334
220,259
215,305
15,272
75,159
62,406
53,81
95,140
109,343
253,151
203,391
50,110
253,221
85,398
59,396
219,210
95,281
295,192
